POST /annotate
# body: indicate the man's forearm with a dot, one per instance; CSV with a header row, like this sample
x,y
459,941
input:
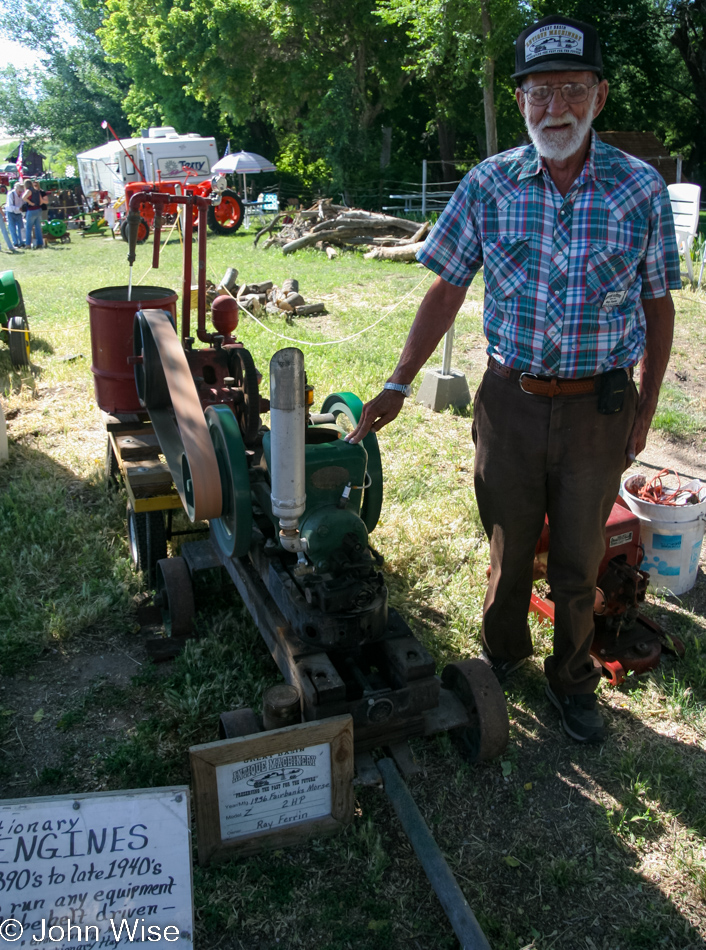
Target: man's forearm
x,y
659,322
435,316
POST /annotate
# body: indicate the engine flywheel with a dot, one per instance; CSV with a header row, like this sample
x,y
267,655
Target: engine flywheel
x,y
350,405
233,530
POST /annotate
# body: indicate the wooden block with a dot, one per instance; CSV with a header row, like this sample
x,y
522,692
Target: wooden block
x,y
407,659
148,476
126,423
366,770
134,446
319,672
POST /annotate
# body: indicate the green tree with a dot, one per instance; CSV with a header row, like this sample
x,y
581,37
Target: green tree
x,y
64,100
462,49
324,70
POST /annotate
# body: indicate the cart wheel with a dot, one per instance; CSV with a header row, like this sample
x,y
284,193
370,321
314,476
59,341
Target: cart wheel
x,y
112,467
175,596
18,329
147,539
487,733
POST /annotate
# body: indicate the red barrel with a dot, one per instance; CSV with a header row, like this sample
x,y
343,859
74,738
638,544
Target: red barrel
x,y
112,316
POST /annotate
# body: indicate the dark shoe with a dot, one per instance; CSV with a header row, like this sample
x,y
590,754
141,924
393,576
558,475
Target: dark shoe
x,y
502,668
579,716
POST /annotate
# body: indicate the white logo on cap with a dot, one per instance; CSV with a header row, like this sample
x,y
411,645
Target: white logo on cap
x,y
556,40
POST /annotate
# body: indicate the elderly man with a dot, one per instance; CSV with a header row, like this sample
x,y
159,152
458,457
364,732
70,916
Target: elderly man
x,y
577,245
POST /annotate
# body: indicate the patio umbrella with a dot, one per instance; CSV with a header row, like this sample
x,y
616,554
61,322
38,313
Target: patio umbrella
x,y
243,163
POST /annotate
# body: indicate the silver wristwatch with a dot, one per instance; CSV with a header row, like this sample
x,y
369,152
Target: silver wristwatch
x,y
403,388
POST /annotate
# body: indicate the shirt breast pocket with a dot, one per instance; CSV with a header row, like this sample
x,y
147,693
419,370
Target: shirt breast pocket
x,y
506,267
610,269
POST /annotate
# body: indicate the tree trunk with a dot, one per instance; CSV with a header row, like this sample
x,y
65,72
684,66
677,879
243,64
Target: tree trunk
x,y
406,253
447,147
491,130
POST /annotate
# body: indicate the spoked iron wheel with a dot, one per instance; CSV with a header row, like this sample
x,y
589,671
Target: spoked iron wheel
x,y
175,597
488,730
147,538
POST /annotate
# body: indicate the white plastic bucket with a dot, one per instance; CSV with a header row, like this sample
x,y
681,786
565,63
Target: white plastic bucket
x,y
672,551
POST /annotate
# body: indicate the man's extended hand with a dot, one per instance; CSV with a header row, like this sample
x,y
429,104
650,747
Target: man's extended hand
x,y
376,414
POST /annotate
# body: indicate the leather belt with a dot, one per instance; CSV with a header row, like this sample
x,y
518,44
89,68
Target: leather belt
x,y
546,385
183,435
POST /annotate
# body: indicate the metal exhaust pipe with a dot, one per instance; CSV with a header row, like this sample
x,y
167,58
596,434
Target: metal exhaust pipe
x,y
287,424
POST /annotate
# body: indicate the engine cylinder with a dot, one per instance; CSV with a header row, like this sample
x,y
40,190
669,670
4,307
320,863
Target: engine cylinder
x,y
287,422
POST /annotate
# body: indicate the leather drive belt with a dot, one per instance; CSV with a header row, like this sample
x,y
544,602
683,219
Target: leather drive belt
x,y
544,385
183,433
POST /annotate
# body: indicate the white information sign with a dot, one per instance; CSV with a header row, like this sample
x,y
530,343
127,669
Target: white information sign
x,y
275,791
97,871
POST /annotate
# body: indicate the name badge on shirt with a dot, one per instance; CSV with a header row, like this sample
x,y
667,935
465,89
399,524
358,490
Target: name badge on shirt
x,y
614,298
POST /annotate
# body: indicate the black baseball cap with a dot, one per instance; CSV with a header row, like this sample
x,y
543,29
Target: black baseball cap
x,y
558,44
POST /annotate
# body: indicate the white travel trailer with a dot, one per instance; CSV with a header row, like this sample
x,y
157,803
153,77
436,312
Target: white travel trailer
x,y
159,153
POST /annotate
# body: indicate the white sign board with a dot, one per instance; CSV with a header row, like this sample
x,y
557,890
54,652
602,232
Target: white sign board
x,y
275,791
97,871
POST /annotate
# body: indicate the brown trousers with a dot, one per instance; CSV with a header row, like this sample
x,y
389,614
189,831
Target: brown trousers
x,y
562,458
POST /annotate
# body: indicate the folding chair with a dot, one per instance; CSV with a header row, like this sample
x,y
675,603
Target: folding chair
x,y
685,210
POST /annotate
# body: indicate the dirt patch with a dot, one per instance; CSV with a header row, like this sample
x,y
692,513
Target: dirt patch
x,y
68,690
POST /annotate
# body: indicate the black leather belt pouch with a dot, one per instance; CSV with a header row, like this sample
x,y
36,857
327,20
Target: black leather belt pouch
x,y
611,388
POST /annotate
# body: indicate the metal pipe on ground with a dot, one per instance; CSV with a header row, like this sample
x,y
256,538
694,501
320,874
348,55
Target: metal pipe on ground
x,y
450,895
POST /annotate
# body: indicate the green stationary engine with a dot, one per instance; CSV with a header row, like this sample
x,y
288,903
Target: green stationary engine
x,y
301,502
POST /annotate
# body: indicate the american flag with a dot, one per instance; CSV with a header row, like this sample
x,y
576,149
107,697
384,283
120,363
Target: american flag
x,y
227,151
19,163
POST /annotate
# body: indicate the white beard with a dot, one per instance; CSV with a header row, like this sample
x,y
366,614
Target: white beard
x,y
559,145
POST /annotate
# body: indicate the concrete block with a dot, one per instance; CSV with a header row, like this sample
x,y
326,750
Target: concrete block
x,y
440,390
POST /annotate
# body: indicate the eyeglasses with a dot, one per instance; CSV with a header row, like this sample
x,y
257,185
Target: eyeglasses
x,y
571,92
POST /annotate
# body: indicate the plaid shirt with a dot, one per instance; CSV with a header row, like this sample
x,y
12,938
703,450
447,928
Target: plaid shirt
x,y
563,276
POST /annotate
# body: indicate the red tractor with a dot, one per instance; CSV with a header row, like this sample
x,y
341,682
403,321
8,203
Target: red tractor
x,y
223,218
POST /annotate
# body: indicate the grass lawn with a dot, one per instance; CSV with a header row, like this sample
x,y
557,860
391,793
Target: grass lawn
x,y
609,844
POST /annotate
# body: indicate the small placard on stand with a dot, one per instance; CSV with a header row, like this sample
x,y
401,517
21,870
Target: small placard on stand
x,y
272,789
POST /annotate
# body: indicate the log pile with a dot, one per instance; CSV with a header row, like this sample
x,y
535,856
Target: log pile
x,y
328,226
265,297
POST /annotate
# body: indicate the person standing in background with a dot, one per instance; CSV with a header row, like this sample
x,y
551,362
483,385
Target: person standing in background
x,y
6,236
34,197
13,210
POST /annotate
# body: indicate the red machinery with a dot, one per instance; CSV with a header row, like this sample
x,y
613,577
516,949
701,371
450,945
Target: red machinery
x,y
223,217
225,372
624,640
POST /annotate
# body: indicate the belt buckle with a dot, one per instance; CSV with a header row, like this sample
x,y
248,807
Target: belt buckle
x,y
524,376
